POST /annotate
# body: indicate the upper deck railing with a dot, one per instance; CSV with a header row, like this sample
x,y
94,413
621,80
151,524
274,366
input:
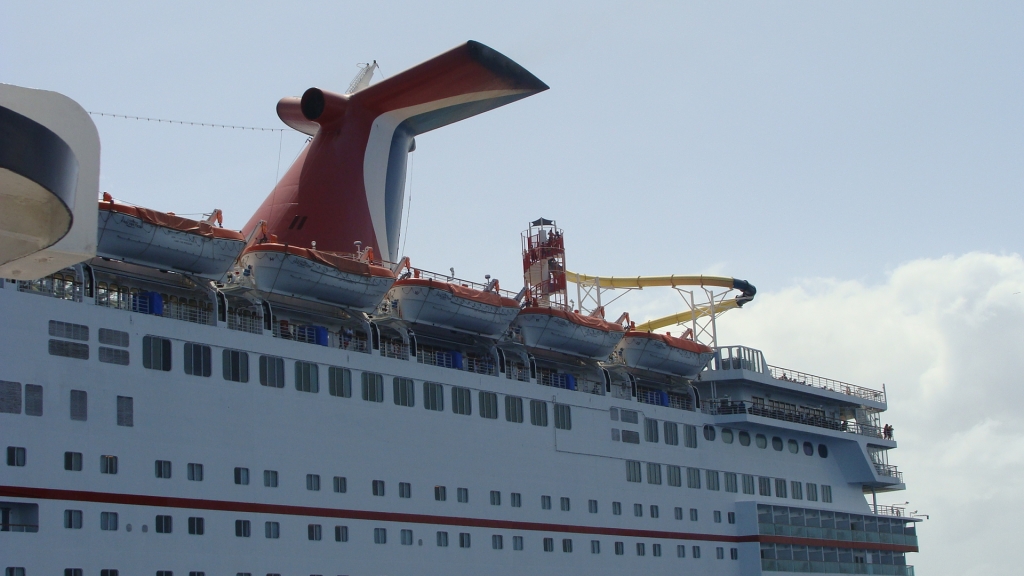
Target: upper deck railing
x,y
728,407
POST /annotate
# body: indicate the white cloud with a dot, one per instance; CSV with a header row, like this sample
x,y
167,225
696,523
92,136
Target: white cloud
x,y
946,337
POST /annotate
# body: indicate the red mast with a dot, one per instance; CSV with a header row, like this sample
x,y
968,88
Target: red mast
x,y
544,265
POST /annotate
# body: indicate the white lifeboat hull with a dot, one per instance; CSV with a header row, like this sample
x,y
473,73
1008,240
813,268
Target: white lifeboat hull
x,y
446,305
309,275
133,238
665,354
567,332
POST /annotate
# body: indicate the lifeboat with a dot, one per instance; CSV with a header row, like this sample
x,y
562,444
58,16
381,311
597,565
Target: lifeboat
x,y
340,280
165,241
568,332
453,306
664,353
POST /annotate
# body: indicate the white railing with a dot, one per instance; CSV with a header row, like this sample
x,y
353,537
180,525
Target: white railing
x,y
787,375
245,323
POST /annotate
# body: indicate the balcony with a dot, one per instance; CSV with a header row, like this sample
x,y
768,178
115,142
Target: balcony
x,y
889,470
730,407
803,566
787,375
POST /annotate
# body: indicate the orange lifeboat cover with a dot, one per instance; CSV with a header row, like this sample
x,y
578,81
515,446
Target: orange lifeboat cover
x,y
680,343
461,291
326,258
174,222
588,321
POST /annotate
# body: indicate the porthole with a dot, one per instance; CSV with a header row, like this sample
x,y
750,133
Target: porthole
x,y
727,436
762,442
822,450
709,433
744,438
777,443
808,448
794,447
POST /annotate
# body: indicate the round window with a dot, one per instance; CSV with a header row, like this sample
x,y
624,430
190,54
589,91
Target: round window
x,y
762,442
794,447
709,433
727,435
777,443
745,438
808,448
822,450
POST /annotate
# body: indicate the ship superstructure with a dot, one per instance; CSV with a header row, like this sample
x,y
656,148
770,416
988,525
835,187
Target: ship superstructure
x,y
195,400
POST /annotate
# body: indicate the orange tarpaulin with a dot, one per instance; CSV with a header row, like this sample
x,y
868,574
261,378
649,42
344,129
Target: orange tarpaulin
x,y
326,258
174,222
588,321
461,291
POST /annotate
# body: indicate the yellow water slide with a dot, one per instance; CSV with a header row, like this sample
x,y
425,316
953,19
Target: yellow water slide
x,y
747,292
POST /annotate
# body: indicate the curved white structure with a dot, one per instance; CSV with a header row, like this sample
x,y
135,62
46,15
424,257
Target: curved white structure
x,y
665,354
566,332
452,306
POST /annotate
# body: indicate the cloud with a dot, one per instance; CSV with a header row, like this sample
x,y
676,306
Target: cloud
x,y
946,338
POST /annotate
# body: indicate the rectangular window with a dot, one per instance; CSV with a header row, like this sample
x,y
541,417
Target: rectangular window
x,y
764,486
681,550
314,532
549,544
826,493
592,506
496,542
463,495
693,514
631,416
73,519
242,476
514,409
78,572
109,521
339,382
404,392
378,487
125,411
340,484
162,468
198,359
113,338
595,546
380,535
720,552
243,528
270,478
10,397
617,508
538,413
748,484
406,537
195,472
564,502
108,464
440,493
567,545
717,516
16,456
731,484
488,405
563,417
675,476
69,330
341,533
517,542
114,356
641,550
73,461
33,400
495,498
79,405
516,500
433,396
307,377
797,490
545,502
655,512
638,510
696,551
780,488
653,473
650,430
442,539
272,530
196,526
734,553
404,490
108,572
689,436
235,365
272,371
462,401
732,517
164,524
68,349
671,434
630,436
620,548
656,549
464,540
633,471
679,513
693,477
373,387
313,482
712,477
812,492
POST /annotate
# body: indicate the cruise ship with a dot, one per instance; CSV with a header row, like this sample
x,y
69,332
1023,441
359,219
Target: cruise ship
x,y
297,398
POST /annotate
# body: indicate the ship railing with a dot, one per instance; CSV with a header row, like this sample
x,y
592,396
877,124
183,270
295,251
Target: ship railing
x,y
250,323
646,396
390,348
553,379
435,357
730,407
805,566
888,470
62,286
517,371
186,312
680,402
590,387
428,275
143,304
480,365
887,510
355,343
787,375
19,528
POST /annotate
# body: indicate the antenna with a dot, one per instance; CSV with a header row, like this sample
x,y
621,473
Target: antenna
x,y
363,77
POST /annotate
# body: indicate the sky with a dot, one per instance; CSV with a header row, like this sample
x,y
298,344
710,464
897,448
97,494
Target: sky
x,y
859,162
